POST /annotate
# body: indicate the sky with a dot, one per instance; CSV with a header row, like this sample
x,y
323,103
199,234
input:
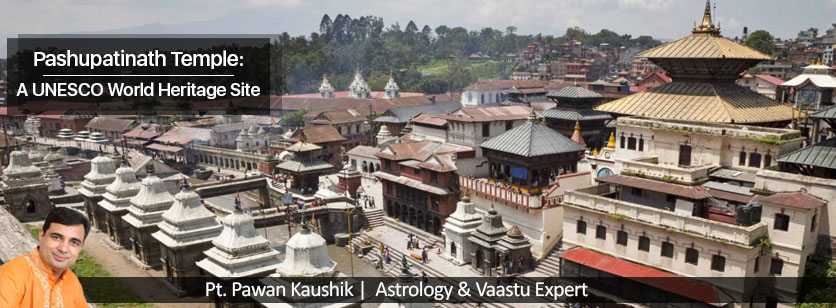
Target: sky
x,y
665,19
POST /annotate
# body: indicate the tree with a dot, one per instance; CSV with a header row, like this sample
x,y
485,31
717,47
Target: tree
x,y
325,27
295,118
510,30
761,41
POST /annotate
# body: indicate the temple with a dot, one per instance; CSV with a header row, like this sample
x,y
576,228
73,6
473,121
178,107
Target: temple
x,y
117,200
25,190
144,216
703,68
102,173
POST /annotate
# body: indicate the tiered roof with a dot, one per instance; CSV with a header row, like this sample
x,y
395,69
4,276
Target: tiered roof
x,y
148,205
102,173
187,222
239,251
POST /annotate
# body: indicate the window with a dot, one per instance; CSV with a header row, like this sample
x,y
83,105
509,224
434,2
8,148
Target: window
x,y
813,222
767,160
601,232
416,171
718,263
581,227
340,130
641,145
757,263
509,125
670,198
667,250
358,128
482,101
486,129
755,160
497,97
636,192
644,243
692,256
782,222
433,177
622,141
621,238
469,96
401,167
742,160
386,165
777,266
631,143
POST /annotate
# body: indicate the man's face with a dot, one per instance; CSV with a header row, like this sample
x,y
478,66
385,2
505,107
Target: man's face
x,y
60,245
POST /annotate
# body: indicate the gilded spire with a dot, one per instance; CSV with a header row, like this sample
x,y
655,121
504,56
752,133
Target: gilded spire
x,y
532,116
576,136
707,26
611,142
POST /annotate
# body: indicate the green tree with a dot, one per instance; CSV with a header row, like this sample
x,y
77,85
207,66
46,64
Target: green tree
x,y
295,118
761,41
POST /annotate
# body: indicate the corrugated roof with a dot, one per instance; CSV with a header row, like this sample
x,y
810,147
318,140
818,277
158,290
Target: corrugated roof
x,y
532,139
183,135
703,46
701,102
402,114
303,147
164,148
672,283
573,92
828,113
429,120
659,186
413,183
575,115
109,124
487,114
822,154
294,165
770,79
364,151
488,85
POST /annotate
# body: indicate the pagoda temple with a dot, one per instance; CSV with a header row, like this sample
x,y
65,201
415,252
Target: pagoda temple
x,y
305,167
574,109
94,186
24,188
484,257
117,200
703,68
185,233
144,215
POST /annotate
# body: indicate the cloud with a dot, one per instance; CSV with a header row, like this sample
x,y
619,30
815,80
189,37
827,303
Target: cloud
x,y
653,5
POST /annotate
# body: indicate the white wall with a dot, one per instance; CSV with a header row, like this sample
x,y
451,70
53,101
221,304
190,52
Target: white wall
x,y
476,98
543,228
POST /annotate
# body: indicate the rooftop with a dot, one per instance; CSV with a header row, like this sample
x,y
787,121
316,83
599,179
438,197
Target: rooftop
x,y
488,114
532,139
773,135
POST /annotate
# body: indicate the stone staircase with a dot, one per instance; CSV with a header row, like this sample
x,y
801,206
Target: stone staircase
x,y
393,269
424,238
550,265
372,218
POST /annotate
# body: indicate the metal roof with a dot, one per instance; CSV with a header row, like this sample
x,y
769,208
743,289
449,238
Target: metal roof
x,y
573,92
532,139
659,186
413,183
701,102
800,200
828,113
822,154
575,115
819,80
402,114
295,165
703,46
682,286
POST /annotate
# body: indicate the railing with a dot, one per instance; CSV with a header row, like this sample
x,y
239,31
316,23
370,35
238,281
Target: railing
x,y
726,232
487,190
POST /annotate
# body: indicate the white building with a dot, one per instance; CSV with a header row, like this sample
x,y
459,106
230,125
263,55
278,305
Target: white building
x,y
762,84
458,228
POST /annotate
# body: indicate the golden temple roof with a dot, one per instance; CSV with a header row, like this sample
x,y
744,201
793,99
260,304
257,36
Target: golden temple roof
x,y
701,102
704,42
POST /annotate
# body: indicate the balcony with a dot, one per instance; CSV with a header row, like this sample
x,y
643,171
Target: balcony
x,y
649,167
487,190
592,199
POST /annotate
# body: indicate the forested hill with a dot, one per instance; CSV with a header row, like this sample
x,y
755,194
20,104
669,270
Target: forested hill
x,y
425,59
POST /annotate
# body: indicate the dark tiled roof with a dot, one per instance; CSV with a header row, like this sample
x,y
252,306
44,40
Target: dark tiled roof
x,y
795,199
822,154
321,134
575,115
573,92
487,114
532,139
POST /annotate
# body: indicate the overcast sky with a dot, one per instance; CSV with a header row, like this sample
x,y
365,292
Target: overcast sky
x,y
667,19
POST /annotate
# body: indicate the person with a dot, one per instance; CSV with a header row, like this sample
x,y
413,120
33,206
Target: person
x,y
415,243
387,257
409,241
424,277
424,255
31,280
